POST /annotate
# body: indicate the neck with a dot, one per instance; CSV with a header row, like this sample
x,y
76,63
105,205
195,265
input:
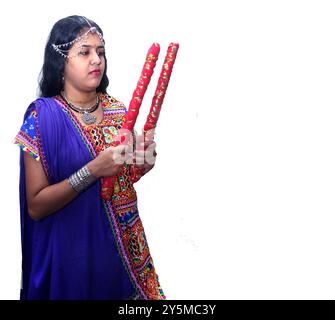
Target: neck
x,y
80,98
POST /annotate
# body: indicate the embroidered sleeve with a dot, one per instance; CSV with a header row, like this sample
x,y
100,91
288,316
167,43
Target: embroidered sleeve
x,y
26,139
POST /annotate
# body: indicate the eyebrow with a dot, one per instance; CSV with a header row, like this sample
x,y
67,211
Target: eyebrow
x,y
88,46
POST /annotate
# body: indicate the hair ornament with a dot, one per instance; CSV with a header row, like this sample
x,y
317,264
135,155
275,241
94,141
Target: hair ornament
x,y
64,48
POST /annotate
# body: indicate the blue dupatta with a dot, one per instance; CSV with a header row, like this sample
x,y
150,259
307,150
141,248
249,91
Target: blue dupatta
x,y
71,254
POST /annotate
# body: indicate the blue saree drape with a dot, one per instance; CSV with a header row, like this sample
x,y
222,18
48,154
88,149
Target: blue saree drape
x,y
71,254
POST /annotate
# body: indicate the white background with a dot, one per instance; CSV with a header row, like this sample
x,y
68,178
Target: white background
x,y
241,203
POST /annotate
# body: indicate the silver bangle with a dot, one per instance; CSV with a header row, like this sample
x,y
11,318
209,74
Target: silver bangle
x,y
81,179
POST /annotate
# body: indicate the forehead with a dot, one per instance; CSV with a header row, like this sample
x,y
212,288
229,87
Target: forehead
x,y
91,40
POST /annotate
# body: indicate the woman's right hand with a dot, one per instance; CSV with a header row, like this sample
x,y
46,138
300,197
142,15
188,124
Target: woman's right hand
x,y
109,161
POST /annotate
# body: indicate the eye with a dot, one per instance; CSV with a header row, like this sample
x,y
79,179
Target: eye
x,y
83,53
101,53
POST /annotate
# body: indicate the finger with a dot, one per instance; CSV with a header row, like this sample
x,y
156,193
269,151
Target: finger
x,y
139,156
139,139
139,159
151,147
140,153
147,144
121,149
129,157
150,154
119,156
151,144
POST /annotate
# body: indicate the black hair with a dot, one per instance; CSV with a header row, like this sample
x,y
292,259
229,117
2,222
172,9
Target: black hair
x,y
51,75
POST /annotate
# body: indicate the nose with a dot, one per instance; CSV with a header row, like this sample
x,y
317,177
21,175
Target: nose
x,y
95,59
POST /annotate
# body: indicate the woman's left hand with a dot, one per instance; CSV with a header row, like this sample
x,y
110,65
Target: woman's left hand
x,y
145,154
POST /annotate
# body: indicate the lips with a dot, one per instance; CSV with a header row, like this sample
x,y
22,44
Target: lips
x,y
95,72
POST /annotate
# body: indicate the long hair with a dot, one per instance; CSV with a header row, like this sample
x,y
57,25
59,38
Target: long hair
x,y
51,75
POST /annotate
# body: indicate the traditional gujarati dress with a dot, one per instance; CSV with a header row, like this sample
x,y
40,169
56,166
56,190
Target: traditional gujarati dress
x,y
91,248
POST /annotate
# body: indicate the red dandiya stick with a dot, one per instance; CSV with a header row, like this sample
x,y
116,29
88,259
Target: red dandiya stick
x,y
107,184
141,88
161,88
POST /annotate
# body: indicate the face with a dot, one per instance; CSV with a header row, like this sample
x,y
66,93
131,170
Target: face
x,y
85,65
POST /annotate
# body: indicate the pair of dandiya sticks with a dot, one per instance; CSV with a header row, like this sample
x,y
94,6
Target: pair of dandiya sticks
x,y
107,183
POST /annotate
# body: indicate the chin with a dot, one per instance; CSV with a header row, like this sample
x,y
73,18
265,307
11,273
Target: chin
x,y
93,87
90,89
96,84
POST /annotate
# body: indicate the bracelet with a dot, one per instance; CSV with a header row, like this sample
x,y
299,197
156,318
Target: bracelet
x,y
81,179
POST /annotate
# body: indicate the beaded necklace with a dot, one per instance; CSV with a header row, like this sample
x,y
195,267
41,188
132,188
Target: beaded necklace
x,y
87,117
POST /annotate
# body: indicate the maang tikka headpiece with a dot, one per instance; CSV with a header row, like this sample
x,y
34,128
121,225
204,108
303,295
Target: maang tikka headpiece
x,y
64,48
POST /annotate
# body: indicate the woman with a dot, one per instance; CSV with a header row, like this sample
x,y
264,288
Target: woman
x,y
75,245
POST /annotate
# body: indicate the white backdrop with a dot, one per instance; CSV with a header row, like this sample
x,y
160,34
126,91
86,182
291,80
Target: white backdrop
x,y
241,202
